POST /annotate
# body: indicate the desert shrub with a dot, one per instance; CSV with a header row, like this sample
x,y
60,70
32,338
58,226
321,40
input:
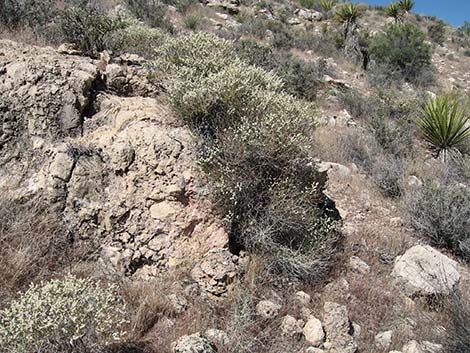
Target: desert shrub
x,y
457,331
437,32
401,53
136,39
152,12
388,174
441,213
68,315
88,28
27,13
444,125
192,21
301,78
310,4
254,150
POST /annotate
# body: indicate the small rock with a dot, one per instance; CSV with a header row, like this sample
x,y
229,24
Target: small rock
x,y
62,166
313,332
314,350
302,298
384,339
414,182
217,337
290,326
412,347
356,330
356,264
163,211
194,343
430,347
267,309
337,327
179,304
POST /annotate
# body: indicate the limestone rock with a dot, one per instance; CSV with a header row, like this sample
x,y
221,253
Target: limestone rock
x,y
384,339
302,298
412,347
338,327
356,264
195,343
62,166
267,309
216,272
218,337
313,332
423,270
290,326
164,211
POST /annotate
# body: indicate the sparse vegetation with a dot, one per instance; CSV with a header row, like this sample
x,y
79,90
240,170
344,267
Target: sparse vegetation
x,y
69,315
441,213
437,32
402,53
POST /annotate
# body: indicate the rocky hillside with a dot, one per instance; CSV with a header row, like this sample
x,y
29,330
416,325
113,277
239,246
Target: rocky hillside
x,y
232,177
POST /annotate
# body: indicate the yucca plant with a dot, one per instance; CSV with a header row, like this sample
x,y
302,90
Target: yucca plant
x,y
406,5
394,11
444,124
327,5
348,14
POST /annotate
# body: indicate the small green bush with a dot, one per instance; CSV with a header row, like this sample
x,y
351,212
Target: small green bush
x,y
152,12
192,21
70,315
441,213
88,28
401,53
437,32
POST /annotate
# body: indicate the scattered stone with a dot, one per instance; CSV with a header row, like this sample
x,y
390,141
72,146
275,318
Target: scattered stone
x,y
194,343
290,326
218,337
356,330
314,350
412,347
356,264
337,326
302,298
179,304
61,167
313,332
216,272
430,347
267,309
414,182
164,211
423,270
384,339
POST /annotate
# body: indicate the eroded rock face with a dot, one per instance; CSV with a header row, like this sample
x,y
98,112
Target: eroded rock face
x,y
118,166
424,271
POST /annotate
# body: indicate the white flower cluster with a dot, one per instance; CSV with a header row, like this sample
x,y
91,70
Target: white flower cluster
x,y
62,314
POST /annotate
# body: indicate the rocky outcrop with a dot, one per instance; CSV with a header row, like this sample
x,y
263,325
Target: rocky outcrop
x,y
117,165
338,328
424,271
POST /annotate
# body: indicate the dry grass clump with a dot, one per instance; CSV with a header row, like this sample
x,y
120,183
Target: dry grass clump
x,y
33,244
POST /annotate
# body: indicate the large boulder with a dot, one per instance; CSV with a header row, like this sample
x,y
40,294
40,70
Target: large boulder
x,y
424,271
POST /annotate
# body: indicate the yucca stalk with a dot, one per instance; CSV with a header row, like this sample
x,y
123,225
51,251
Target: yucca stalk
x,y
406,5
444,125
327,5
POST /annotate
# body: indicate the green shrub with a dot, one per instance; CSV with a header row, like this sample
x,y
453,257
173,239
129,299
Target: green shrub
x,y
327,5
441,213
310,4
388,174
70,315
88,28
152,12
401,52
136,39
27,13
437,32
192,21
406,5
254,149
444,125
